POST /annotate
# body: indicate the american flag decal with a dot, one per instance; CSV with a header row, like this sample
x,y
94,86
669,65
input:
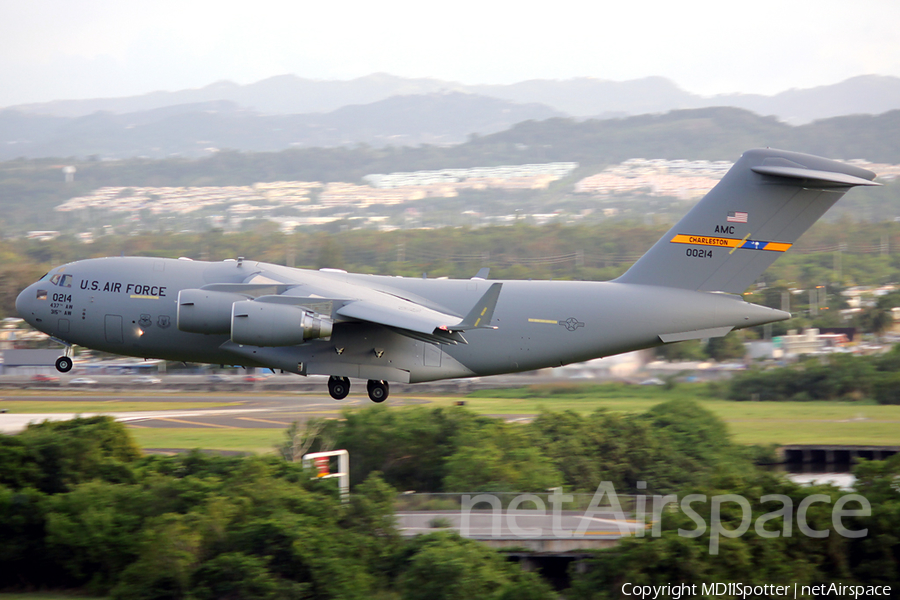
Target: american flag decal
x,y
737,217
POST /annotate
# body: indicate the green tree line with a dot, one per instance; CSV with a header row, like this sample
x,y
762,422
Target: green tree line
x,y
83,509
675,444
835,377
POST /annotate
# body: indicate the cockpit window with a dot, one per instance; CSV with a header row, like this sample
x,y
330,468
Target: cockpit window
x,y
61,280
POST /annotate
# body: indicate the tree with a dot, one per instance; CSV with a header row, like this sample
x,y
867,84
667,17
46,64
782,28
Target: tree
x,y
444,566
728,347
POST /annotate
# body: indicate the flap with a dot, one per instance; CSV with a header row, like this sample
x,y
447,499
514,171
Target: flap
x,y
396,312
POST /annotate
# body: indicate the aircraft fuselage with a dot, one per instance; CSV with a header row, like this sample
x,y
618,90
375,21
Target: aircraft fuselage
x,y
129,306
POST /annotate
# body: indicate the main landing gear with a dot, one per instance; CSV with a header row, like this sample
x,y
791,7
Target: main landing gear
x,y
378,390
339,387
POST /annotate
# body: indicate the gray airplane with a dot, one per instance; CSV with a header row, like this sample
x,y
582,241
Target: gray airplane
x,y
383,329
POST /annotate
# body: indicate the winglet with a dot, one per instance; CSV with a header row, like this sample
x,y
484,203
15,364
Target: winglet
x,y
481,314
482,273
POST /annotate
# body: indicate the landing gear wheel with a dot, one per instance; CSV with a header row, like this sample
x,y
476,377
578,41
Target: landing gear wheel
x,y
63,364
378,390
338,387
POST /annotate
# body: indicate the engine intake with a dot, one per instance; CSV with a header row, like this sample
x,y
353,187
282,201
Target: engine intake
x,y
271,324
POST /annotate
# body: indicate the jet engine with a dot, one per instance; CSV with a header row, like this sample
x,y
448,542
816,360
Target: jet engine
x,y
204,311
273,324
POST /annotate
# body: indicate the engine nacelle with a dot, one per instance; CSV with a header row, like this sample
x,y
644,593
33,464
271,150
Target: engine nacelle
x,y
203,311
272,324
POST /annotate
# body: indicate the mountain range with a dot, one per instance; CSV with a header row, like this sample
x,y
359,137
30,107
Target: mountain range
x,y
577,97
378,110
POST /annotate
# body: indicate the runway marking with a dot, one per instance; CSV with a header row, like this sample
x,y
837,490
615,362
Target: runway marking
x,y
262,420
193,423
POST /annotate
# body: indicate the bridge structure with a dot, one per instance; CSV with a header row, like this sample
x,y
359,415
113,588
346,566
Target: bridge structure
x,y
833,454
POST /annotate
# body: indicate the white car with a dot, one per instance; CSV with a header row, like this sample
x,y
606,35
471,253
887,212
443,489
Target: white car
x,y
146,379
82,381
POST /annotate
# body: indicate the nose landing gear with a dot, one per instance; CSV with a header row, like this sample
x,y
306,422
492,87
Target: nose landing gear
x,y
378,390
64,363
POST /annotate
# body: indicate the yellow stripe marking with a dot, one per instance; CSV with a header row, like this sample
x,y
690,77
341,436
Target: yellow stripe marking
x,y
145,297
194,423
543,321
746,237
262,420
733,243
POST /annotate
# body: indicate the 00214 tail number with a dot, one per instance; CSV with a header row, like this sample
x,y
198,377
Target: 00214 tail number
x,y
698,253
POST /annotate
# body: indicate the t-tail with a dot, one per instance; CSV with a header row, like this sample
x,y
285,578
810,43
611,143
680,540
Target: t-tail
x,y
756,213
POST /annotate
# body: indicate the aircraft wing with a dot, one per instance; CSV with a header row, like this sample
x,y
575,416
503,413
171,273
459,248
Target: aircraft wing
x,y
353,301
405,315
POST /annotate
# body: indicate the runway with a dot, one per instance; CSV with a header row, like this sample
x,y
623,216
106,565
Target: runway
x,y
246,411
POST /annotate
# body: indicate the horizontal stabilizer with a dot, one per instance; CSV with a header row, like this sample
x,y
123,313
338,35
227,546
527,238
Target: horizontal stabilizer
x,y
829,178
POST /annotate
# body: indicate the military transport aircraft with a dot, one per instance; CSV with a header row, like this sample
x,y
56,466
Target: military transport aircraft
x,y
383,329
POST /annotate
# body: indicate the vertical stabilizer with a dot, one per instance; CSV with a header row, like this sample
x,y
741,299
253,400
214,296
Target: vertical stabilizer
x,y
759,209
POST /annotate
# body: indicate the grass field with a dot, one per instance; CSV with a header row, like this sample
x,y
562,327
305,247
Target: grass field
x,y
749,422
862,423
259,441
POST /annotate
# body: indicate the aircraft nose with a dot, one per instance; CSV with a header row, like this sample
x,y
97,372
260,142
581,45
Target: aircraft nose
x,y
23,302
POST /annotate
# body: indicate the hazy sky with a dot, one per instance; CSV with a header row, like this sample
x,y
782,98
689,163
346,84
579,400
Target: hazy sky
x,y
60,49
